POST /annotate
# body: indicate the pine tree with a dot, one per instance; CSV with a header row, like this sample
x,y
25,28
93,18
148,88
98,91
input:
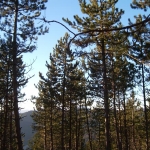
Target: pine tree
x,y
6,90
6,68
17,21
57,106
100,15
142,4
140,52
135,120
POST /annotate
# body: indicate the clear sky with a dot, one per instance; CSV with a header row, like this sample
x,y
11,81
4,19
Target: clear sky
x,y
55,11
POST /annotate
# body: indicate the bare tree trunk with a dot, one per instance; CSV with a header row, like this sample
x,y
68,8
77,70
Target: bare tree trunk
x,y
10,125
133,130
45,131
5,142
79,137
125,124
115,114
116,124
51,128
1,124
77,128
145,108
106,100
120,122
63,104
15,84
87,122
70,125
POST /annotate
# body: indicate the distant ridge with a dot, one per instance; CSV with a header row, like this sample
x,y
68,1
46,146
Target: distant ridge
x,y
26,126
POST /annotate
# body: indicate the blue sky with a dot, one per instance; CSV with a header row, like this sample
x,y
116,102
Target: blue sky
x,y
55,11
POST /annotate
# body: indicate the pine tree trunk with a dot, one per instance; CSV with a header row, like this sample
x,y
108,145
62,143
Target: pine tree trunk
x,y
79,139
15,85
10,125
115,114
106,100
5,143
120,122
77,128
87,123
116,124
45,131
70,126
1,124
51,128
63,104
133,129
125,124
145,108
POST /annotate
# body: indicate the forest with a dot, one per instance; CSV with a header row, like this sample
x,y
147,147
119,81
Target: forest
x,y
95,94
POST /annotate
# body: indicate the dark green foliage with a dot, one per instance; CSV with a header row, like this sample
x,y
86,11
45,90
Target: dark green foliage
x,y
6,93
58,105
64,114
86,106
18,25
142,4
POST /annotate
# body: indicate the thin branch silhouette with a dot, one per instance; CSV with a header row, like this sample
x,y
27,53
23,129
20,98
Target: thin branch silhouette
x,y
96,30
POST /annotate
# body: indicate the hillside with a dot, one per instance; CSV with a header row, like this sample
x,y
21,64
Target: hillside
x,y
26,126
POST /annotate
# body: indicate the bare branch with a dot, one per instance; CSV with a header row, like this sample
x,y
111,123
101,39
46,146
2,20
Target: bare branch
x,y
43,19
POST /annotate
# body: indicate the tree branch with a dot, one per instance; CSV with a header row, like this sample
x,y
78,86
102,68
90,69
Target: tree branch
x,y
112,29
96,30
46,21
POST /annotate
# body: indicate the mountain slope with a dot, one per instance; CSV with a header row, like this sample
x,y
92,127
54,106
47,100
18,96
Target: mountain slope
x,y
26,126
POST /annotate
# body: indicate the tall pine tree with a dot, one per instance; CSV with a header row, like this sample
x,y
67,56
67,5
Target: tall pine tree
x,y
17,21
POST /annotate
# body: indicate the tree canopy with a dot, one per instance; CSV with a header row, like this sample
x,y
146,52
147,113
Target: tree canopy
x,y
89,97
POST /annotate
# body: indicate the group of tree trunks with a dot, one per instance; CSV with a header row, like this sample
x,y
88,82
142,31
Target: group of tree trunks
x,y
88,98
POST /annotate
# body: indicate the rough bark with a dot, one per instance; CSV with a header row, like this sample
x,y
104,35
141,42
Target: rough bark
x,y
106,100
145,108
15,84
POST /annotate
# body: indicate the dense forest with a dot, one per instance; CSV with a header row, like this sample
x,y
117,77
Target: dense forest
x,y
95,94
